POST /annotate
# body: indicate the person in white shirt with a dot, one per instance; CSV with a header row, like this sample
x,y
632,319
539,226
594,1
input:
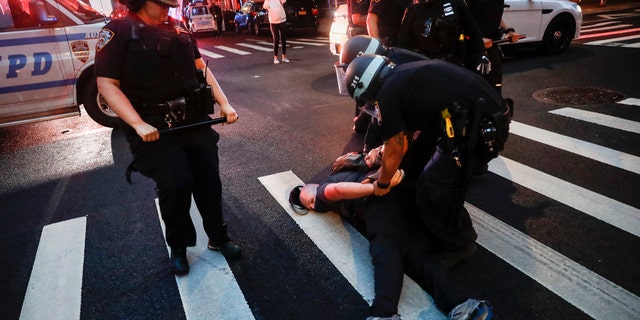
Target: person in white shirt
x,y
278,24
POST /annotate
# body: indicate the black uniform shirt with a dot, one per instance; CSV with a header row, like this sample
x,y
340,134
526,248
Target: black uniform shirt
x,y
390,15
414,93
488,14
433,28
153,64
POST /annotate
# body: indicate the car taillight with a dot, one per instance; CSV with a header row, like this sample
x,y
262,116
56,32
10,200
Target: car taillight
x,y
314,11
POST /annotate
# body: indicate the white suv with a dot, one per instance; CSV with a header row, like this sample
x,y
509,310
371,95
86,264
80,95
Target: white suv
x,y
552,24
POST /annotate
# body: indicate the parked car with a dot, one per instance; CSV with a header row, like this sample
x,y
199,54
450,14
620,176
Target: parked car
x,y
200,20
301,15
549,24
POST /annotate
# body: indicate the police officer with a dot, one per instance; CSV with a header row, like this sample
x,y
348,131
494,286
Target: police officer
x,y
488,16
147,70
358,10
449,105
442,29
362,44
383,19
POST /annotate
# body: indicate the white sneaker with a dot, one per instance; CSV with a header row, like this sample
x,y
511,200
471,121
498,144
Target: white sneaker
x,y
285,60
276,61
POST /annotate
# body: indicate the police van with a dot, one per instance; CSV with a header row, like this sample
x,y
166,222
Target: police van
x,y
47,48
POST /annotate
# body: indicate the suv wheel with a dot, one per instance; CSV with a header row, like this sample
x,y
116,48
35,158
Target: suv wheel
x,y
558,35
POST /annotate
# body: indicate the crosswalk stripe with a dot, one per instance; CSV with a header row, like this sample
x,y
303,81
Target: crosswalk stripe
x,y
606,34
307,43
598,118
233,50
617,26
586,290
613,212
586,149
209,291
248,45
614,40
210,54
348,250
630,102
55,285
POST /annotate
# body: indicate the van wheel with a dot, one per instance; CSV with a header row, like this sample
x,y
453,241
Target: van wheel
x,y
96,106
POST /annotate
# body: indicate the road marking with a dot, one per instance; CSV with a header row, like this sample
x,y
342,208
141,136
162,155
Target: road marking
x,y
630,101
348,250
209,291
307,43
606,34
233,50
248,45
586,290
617,26
608,41
598,118
613,212
210,54
55,285
582,148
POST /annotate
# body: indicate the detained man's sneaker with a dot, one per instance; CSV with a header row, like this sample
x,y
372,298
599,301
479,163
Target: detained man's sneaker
x,y
179,262
228,249
472,309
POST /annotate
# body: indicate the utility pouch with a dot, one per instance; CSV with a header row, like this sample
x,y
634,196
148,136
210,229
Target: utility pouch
x,y
177,111
202,97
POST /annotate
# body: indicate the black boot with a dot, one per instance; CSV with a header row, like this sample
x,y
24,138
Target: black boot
x,y
179,262
222,243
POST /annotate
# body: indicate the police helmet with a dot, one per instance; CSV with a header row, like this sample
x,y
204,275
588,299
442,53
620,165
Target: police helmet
x,y
365,74
359,45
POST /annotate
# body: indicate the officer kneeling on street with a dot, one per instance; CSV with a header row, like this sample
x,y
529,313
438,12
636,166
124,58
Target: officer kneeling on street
x,y
449,105
152,76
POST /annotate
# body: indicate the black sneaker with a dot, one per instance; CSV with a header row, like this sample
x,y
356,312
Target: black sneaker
x,y
228,249
179,262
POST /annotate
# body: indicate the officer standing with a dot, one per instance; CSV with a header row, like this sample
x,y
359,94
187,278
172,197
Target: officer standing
x,y
383,20
450,106
148,71
442,29
488,16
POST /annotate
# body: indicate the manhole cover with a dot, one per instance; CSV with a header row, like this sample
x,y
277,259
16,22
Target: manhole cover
x,y
577,96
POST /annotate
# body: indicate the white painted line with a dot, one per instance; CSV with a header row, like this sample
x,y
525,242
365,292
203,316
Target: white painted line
x,y
255,47
55,285
348,250
582,148
307,43
614,40
209,290
233,50
630,101
317,40
617,26
586,290
595,25
599,118
613,212
210,54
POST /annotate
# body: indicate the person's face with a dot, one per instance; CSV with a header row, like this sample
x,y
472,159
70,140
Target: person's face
x,y
157,10
374,157
308,195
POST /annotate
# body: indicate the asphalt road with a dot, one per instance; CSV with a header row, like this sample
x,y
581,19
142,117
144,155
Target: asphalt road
x,y
558,213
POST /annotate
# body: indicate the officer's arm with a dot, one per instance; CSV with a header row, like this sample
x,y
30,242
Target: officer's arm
x,y
372,25
394,150
226,110
118,102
